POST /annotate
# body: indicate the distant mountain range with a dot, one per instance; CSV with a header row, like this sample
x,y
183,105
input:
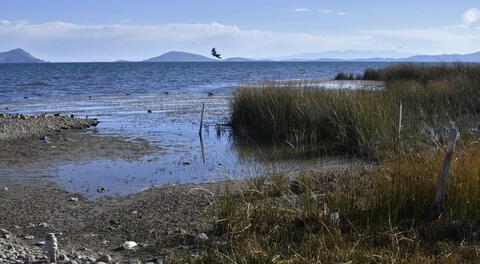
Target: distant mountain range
x,y
18,56
180,56
344,55
351,55
21,56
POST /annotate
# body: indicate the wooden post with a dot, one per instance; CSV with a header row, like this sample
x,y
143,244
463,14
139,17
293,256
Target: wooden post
x,y
400,119
201,120
437,205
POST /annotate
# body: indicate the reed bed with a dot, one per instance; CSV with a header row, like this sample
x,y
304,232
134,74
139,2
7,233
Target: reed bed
x,y
361,121
377,214
367,215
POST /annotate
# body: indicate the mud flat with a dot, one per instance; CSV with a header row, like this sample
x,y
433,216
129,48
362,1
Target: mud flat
x,y
162,221
34,141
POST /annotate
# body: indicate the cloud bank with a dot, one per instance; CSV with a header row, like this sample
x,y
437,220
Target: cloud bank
x,y
63,41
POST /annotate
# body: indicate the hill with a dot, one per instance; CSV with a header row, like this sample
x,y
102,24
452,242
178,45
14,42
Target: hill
x,y
18,56
179,56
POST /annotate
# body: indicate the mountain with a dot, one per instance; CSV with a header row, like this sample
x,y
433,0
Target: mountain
x,y
471,57
179,56
238,59
344,55
18,56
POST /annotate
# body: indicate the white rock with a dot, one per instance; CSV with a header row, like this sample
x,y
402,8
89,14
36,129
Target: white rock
x,y
129,244
51,246
202,237
74,199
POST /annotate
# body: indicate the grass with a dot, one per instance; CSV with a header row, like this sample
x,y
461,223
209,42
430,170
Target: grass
x,y
361,121
384,215
376,214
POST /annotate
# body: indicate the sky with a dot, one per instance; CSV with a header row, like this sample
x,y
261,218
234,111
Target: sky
x,y
109,30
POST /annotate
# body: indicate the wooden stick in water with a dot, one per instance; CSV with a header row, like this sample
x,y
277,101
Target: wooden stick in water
x,y
201,120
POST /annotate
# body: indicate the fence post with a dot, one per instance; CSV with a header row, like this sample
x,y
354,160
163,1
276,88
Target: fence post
x,y
400,119
437,205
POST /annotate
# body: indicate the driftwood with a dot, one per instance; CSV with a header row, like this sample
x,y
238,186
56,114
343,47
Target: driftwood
x,y
442,180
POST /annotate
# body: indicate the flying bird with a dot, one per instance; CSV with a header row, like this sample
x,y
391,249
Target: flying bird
x,y
215,54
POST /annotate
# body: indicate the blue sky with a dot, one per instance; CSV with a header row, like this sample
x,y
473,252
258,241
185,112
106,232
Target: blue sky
x,y
107,30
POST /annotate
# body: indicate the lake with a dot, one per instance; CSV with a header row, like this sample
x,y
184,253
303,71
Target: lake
x,y
119,95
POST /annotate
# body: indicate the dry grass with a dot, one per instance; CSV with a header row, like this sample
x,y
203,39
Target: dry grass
x,y
379,214
361,121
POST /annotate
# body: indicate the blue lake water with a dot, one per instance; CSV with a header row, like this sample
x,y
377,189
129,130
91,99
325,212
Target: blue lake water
x,y
99,90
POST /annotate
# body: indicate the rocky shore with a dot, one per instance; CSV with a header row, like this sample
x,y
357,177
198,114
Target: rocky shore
x,y
166,224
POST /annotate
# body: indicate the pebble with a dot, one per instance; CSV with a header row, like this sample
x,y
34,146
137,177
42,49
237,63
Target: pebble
x,y
129,244
73,199
105,258
101,189
28,237
202,237
43,224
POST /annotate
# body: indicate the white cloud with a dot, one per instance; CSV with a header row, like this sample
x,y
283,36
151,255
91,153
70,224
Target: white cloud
x,y
300,10
62,41
328,11
471,16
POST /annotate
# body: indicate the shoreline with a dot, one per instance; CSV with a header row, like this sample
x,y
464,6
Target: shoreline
x,y
168,216
167,222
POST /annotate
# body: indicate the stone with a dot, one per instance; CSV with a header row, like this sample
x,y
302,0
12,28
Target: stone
x,y
73,199
43,224
105,258
28,237
202,237
51,246
40,244
129,244
101,189
63,257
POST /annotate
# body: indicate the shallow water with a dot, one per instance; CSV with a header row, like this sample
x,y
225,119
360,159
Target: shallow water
x,y
172,125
